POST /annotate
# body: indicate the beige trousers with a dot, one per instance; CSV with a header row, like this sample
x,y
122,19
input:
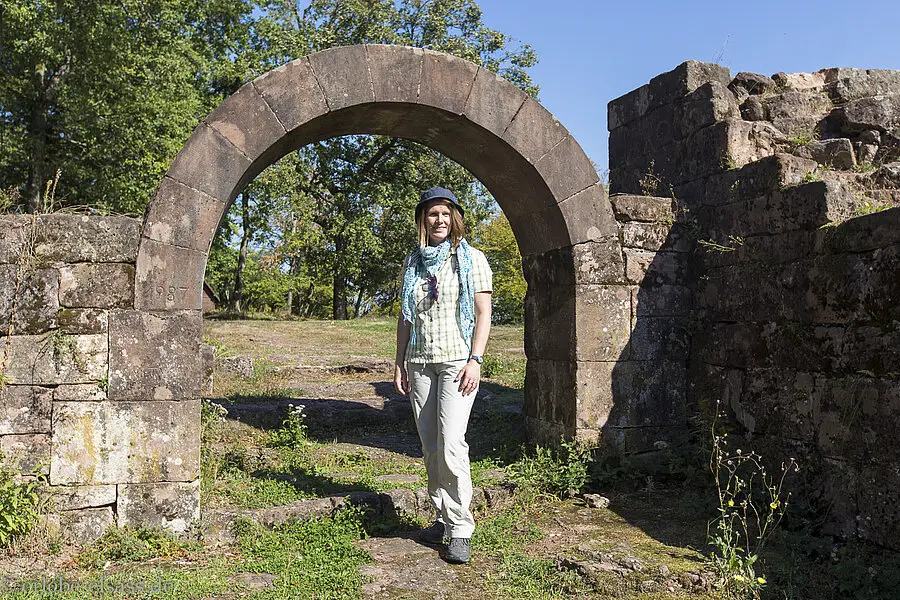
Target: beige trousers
x,y
442,416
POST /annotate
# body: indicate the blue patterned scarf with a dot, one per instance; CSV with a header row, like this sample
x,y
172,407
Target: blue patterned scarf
x,y
423,266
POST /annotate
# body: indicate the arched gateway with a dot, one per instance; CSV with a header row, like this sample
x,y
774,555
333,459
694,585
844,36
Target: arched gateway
x,y
535,169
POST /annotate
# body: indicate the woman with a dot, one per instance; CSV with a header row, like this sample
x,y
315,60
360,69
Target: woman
x,y
441,336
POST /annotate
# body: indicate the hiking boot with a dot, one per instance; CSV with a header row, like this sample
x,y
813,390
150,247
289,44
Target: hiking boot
x,y
459,551
433,534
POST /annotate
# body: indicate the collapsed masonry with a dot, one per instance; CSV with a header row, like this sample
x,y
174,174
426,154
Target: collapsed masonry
x,y
784,191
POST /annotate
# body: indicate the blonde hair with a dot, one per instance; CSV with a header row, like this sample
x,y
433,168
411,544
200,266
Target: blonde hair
x,y
457,226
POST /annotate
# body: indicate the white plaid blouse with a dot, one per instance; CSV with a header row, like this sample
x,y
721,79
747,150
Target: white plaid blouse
x,y
438,337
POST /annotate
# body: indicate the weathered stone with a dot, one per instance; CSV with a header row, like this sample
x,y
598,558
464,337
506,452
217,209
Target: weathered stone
x,y
83,320
80,238
588,215
649,209
647,137
655,268
395,72
757,178
839,491
81,496
800,82
534,132
96,285
57,358
293,93
867,153
752,109
628,107
836,153
596,501
846,85
664,300
547,383
856,417
878,505
446,81
602,320
868,232
878,112
87,525
754,83
343,75
254,581
656,236
31,297
630,393
887,175
211,164
154,357
870,136
779,248
196,216
567,169
26,453
658,338
167,505
15,230
598,262
168,277
90,392
125,442
399,502
493,102
869,348
710,103
797,113
550,313
245,120
24,409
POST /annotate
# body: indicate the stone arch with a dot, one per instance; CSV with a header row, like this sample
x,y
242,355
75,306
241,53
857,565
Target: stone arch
x,y
532,165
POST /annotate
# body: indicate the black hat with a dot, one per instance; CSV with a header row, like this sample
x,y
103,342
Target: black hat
x,y
438,193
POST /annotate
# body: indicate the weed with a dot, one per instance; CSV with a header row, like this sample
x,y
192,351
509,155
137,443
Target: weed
x,y
130,544
64,346
293,429
20,503
801,139
212,417
751,504
561,472
811,177
864,167
735,240
650,182
870,207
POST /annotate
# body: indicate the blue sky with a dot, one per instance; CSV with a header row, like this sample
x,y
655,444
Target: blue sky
x,y
593,51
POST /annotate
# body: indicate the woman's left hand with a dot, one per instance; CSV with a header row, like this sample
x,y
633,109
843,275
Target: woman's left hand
x,y
469,377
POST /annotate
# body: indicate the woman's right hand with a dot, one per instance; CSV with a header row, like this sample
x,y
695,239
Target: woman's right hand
x,y
401,381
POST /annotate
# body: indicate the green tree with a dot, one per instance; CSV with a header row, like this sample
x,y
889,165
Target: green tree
x,y
107,91
495,238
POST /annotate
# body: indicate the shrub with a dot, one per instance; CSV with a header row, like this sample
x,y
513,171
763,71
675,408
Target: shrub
x,y
20,504
560,472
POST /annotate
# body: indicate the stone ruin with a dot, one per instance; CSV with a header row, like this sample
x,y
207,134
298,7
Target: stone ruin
x,y
734,262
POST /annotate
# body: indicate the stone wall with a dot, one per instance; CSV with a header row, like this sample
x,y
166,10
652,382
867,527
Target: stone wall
x,y
784,185
79,407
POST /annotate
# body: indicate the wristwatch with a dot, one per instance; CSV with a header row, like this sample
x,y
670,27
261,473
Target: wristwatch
x,y
476,358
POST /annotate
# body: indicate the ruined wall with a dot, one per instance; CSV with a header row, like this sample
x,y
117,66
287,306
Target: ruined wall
x,y
114,452
784,186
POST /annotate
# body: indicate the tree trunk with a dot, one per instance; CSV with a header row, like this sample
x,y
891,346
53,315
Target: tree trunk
x,y
357,304
339,302
36,176
237,300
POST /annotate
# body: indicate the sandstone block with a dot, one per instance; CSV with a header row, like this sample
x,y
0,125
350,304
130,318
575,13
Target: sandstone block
x,y
602,321
598,262
245,120
550,326
783,403
169,277
797,113
35,305
878,505
800,81
24,409
87,525
846,85
540,232
752,109
154,356
656,236
871,348
293,93
757,178
646,138
446,81
664,300
709,104
14,231
647,209
493,102
57,358
96,285
878,112
628,107
839,491
395,72
836,153
550,387
211,164
534,132
859,234
399,502
125,442
656,268
183,216
659,338
343,75
588,215
80,238
168,505
84,320
26,453
754,83
858,417
75,497
90,392
567,169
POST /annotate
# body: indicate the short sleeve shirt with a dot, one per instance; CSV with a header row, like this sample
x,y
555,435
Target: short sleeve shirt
x,y
437,333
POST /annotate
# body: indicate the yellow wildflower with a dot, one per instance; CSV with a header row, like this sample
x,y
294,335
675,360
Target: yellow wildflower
x,y
761,580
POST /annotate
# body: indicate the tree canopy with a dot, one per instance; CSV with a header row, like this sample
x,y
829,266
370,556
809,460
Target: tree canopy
x,y
103,94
